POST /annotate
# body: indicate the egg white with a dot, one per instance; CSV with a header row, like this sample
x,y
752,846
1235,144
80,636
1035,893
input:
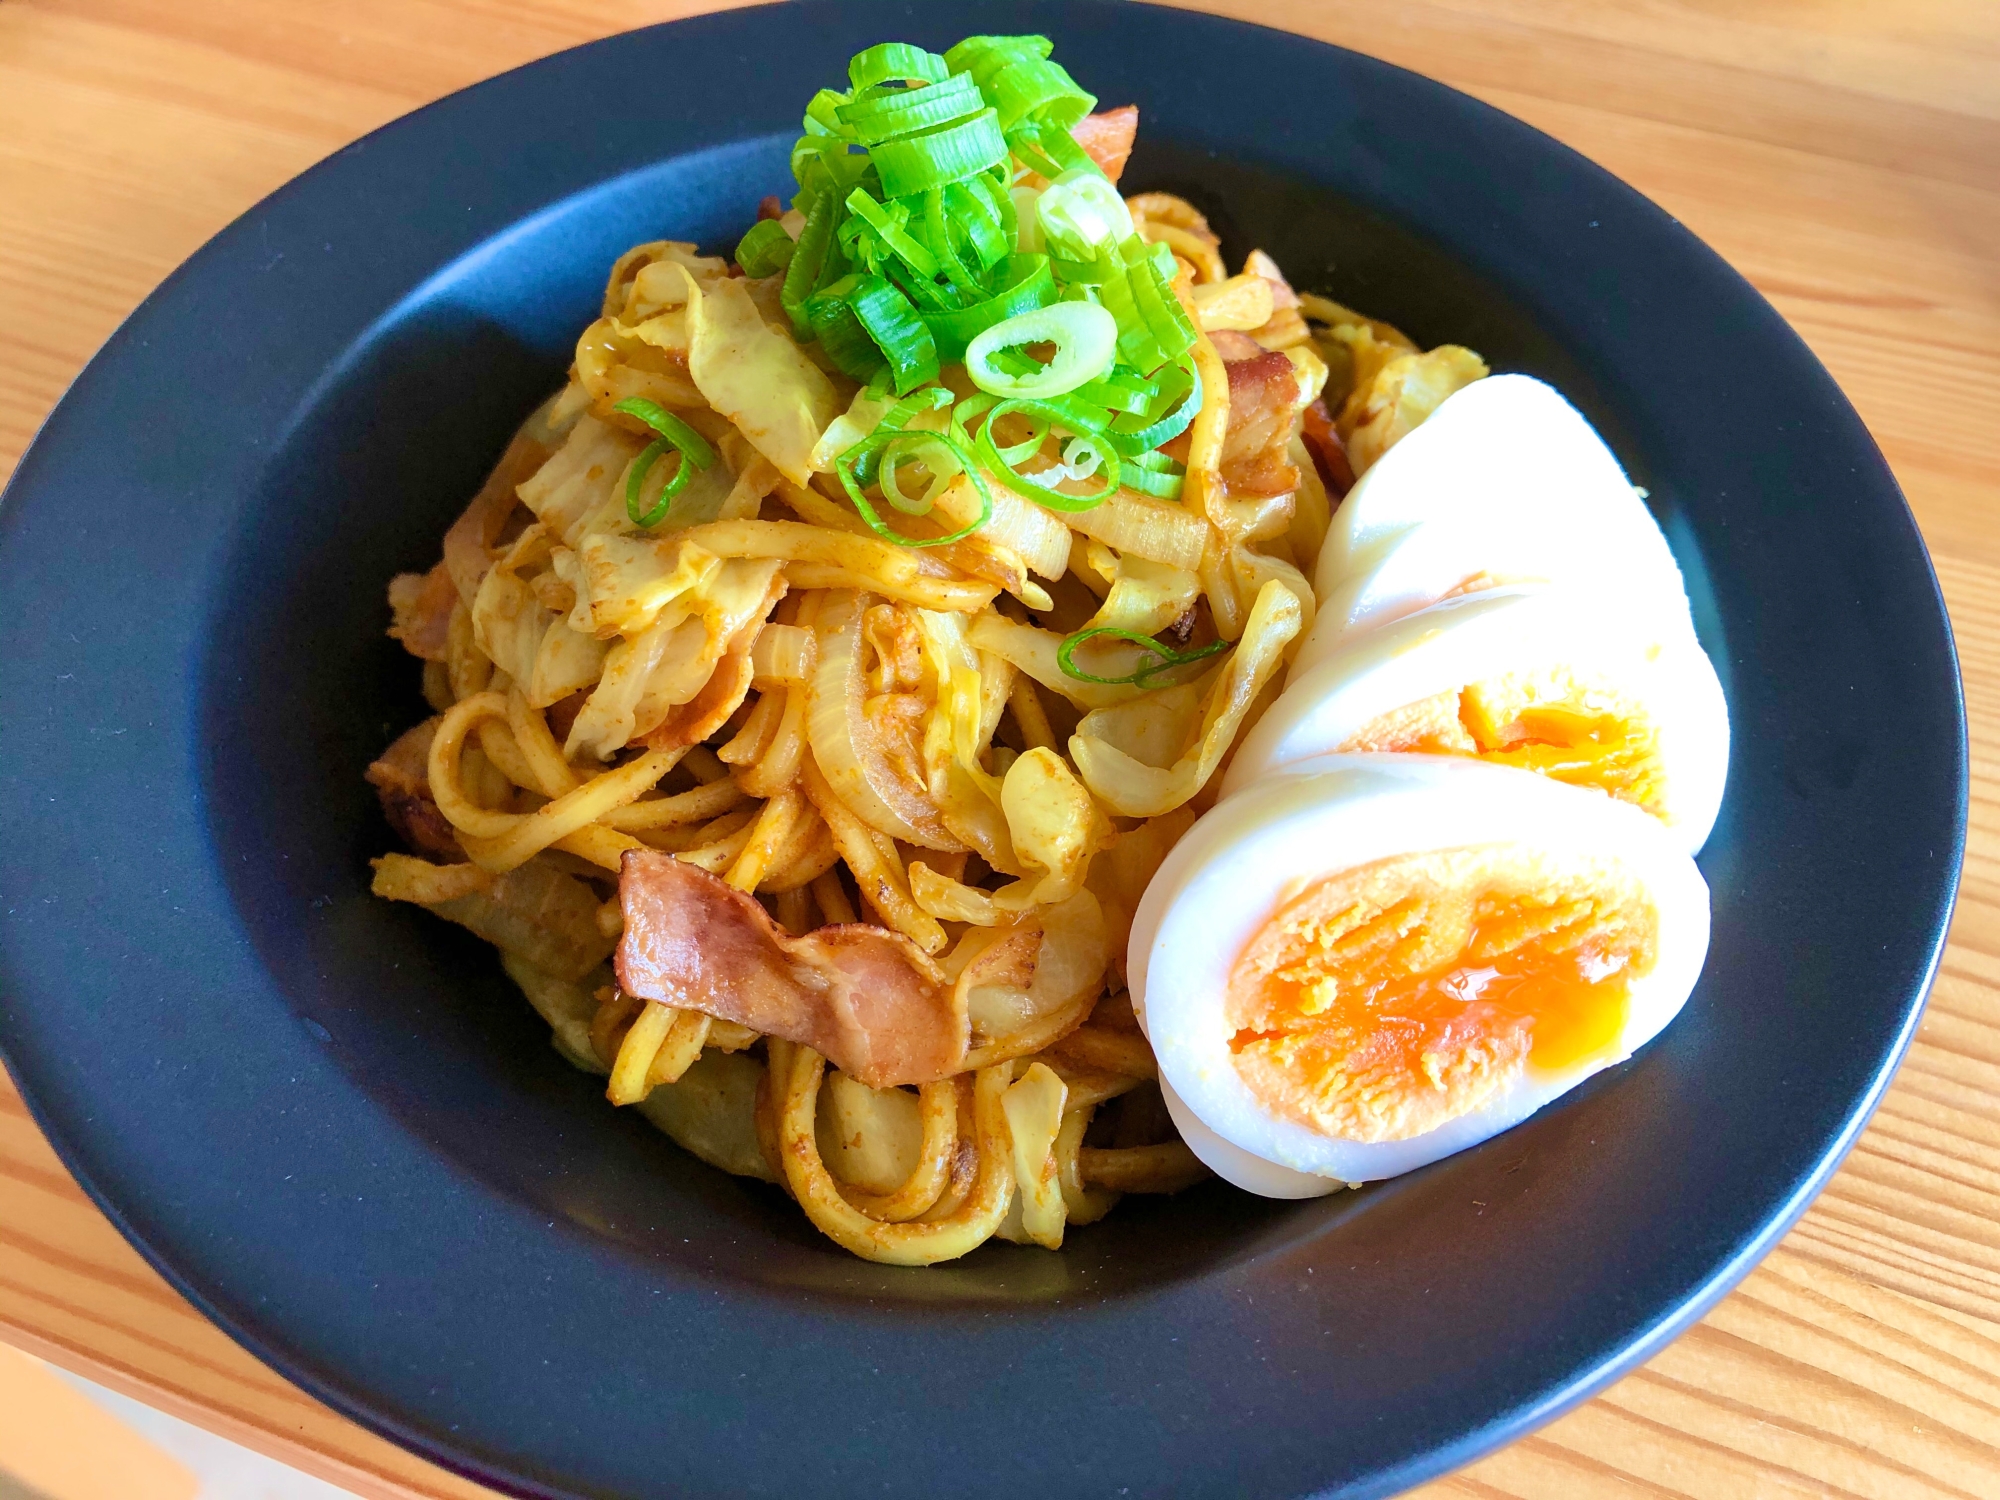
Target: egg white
x,y
1505,479
1457,642
1251,852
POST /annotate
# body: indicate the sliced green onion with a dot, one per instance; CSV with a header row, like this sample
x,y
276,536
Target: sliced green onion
x,y
675,434
1038,91
765,250
917,163
1086,340
895,62
808,257
1168,658
927,296
938,454
1135,435
838,329
885,116
1027,284
1082,216
930,398
823,113
901,335
859,466
983,56
1152,281
824,161
888,225
1155,474
1058,414
1121,390
1049,150
938,228
985,215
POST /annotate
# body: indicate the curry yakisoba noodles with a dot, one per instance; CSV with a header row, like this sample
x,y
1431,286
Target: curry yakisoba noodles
x,y
823,674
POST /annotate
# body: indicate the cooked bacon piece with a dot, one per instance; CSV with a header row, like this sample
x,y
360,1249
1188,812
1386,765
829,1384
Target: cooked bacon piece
x,y
1106,137
401,778
1263,405
421,604
1329,453
770,206
865,997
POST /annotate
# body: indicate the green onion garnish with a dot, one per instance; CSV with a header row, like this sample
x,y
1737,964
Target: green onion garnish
x,y
1028,284
1174,406
877,458
885,116
895,62
673,433
920,249
765,250
984,56
1037,91
1087,441
888,226
1082,216
916,164
897,331
1086,341
1168,658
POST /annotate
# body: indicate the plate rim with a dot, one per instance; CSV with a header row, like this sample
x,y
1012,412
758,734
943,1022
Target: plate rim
x,y
366,1409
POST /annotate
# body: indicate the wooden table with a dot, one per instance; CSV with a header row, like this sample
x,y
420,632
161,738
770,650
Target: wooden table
x,y
1846,157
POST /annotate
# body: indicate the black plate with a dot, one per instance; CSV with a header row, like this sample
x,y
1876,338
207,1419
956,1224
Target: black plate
x,y
333,1125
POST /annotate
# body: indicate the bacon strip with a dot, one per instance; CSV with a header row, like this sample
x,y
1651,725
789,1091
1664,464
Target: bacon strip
x,y
1263,408
1329,453
866,998
421,604
1106,137
401,778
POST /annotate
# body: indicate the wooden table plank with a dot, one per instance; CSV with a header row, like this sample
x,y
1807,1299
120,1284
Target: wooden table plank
x,y
1845,158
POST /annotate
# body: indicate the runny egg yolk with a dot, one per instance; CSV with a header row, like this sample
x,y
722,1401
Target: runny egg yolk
x,y
1383,1001
1552,722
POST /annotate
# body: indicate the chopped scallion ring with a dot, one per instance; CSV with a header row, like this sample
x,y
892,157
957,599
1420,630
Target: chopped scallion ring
x,y
984,56
1168,658
917,163
891,114
1088,437
1029,285
1133,435
1082,216
936,453
888,224
765,250
902,336
673,433
1086,340
895,62
861,465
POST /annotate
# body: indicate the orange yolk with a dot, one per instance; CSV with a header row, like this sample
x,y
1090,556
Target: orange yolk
x,y
1386,1000
1569,731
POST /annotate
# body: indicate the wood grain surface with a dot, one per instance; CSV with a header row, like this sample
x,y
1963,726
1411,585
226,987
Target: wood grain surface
x,y
1844,156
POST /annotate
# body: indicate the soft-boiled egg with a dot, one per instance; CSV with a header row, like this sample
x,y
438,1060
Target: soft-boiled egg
x,y
1545,679
1364,963
1504,483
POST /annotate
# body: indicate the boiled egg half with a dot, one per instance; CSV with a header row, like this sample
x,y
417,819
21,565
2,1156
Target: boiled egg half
x,y
1363,963
1540,678
1504,483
